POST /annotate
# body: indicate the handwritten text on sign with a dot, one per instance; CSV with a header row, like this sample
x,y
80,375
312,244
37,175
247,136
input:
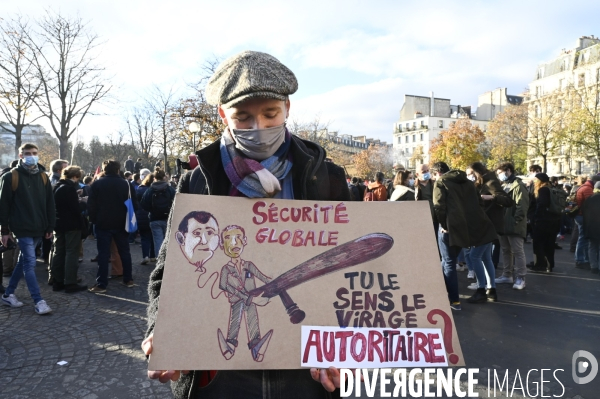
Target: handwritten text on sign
x,y
322,347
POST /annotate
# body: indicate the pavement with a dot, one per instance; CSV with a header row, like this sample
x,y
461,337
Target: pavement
x,y
100,335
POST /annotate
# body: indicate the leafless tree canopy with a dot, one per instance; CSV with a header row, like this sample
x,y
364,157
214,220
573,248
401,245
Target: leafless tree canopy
x,y
19,83
64,52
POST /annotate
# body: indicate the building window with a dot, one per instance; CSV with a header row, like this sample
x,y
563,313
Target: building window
x,y
421,139
581,80
537,111
399,140
561,84
414,125
560,167
579,167
406,139
537,91
441,124
422,123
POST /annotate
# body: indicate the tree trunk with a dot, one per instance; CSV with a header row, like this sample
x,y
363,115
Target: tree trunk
x,y
18,140
63,150
545,170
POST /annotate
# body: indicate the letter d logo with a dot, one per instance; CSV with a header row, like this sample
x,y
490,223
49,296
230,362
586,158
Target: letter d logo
x,y
582,366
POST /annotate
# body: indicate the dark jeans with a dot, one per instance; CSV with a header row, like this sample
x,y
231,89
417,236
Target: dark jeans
x,y
65,260
496,252
544,236
449,256
103,240
147,243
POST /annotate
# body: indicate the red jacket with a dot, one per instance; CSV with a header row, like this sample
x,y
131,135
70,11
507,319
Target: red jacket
x,y
586,191
379,191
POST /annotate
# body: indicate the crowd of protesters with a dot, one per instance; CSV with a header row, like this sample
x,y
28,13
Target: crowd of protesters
x,y
51,214
477,214
509,210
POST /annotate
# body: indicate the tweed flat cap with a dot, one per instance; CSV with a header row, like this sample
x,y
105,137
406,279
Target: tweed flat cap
x,y
250,74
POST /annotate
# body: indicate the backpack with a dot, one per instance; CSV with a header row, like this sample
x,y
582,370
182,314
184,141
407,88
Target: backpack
x,y
15,178
369,196
558,201
161,202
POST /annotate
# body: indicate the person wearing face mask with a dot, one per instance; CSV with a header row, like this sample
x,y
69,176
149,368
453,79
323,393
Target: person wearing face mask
x,y
515,228
463,224
67,237
26,210
403,183
255,157
424,190
493,201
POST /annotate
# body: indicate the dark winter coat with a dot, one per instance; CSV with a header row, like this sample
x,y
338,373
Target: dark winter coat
x,y
495,208
425,193
543,202
106,203
146,202
403,193
313,179
591,217
30,210
143,217
68,207
515,217
456,204
130,165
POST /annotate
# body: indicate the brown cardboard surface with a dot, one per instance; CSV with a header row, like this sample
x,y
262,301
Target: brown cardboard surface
x,y
376,237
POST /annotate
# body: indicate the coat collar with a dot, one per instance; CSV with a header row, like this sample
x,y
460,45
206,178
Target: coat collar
x,y
306,158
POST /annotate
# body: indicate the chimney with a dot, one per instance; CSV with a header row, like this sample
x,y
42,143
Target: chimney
x,y
432,108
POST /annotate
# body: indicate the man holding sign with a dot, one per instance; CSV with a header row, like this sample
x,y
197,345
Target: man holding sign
x,y
256,157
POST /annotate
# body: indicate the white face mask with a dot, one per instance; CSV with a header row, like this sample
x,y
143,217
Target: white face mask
x,y
411,182
259,144
471,177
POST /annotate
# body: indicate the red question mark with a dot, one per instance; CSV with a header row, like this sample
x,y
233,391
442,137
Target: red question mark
x,y
447,332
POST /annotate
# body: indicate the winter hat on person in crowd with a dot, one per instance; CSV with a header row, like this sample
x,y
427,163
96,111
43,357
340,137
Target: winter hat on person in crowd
x,y
542,177
250,74
597,185
144,172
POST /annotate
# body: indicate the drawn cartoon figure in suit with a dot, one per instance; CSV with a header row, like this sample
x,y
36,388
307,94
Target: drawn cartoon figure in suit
x,y
237,279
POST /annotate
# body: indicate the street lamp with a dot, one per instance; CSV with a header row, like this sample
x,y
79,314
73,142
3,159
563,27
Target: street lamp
x,y
194,127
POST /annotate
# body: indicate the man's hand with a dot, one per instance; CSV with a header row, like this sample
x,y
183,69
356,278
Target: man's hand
x,y
487,197
48,236
162,375
329,378
5,239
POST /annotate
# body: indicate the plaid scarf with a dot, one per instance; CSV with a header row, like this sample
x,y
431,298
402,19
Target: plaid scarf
x,y
251,178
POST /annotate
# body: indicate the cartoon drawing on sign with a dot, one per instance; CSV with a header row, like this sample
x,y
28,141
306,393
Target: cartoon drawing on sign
x,y
198,238
237,279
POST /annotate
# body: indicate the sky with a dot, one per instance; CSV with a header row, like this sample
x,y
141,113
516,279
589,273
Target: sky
x,y
354,60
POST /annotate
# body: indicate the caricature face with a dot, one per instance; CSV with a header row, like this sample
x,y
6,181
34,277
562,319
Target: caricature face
x,y
200,241
233,243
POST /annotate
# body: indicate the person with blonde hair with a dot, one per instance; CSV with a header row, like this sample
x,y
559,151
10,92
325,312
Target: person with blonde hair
x,y
67,232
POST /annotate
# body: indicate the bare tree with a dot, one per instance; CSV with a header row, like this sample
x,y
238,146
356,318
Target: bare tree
x,y
19,84
161,104
64,52
142,128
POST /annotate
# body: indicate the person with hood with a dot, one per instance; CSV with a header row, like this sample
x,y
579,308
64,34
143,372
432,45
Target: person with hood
x,y
591,227
376,190
515,228
493,199
256,157
546,225
463,224
157,201
67,232
403,183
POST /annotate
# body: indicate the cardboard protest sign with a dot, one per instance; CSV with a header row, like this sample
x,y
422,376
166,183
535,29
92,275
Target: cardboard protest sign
x,y
279,284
